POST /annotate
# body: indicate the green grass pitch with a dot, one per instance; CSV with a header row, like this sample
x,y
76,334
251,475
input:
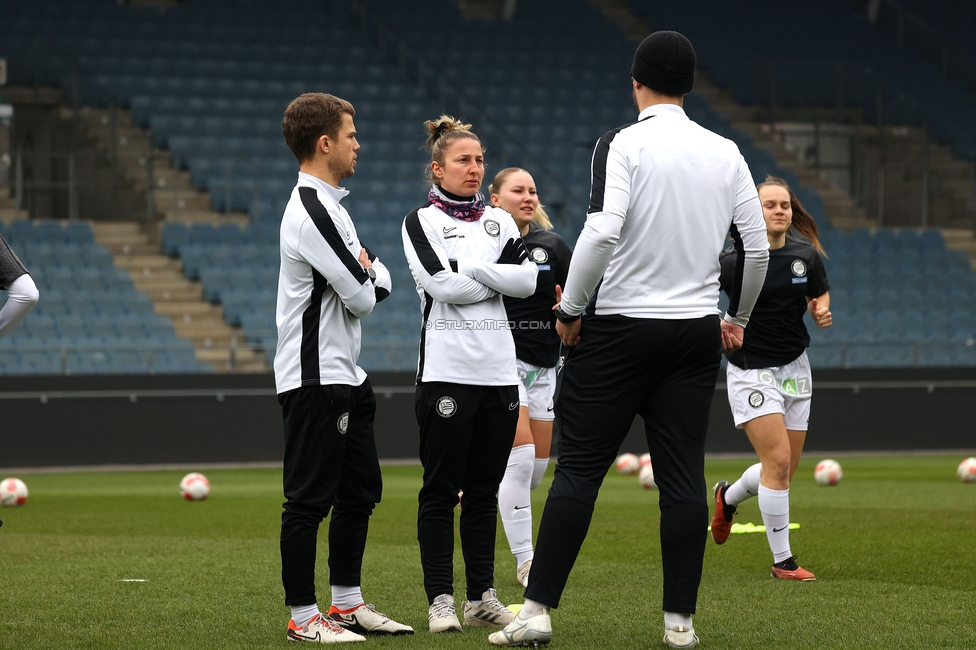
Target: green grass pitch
x,y
892,547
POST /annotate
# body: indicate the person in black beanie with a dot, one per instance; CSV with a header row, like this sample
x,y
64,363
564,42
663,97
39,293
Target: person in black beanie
x,y
651,341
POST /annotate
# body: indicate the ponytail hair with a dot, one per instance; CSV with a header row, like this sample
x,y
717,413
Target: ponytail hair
x,y
802,220
539,216
440,134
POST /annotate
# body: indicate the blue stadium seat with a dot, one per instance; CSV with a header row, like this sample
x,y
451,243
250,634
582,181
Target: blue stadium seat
x,y
173,236
97,256
117,280
826,356
879,356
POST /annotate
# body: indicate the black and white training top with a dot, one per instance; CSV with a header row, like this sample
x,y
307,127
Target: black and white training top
x,y
465,337
11,267
665,194
21,291
323,291
532,320
776,334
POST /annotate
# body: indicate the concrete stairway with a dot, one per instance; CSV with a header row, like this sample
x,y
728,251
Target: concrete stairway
x,y
181,299
174,196
136,246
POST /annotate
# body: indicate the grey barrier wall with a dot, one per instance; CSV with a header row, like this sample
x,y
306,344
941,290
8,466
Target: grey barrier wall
x,y
65,421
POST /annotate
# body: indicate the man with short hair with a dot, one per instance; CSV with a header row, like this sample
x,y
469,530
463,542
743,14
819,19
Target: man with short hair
x,y
665,195
327,282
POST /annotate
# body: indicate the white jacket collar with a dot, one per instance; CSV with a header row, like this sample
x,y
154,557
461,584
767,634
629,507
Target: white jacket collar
x,y
335,193
661,109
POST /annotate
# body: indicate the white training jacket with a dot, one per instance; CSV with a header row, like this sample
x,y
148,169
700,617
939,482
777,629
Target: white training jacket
x,y
323,290
665,194
465,337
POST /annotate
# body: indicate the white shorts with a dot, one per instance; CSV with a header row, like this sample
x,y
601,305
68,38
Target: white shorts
x,y
536,388
783,389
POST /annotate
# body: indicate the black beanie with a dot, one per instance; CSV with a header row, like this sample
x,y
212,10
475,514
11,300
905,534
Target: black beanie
x,y
665,62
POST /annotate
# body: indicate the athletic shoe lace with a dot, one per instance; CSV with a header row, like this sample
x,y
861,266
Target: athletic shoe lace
x,y
493,604
440,609
380,614
327,622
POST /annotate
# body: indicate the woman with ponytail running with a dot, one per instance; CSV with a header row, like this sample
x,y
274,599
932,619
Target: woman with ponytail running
x,y
769,380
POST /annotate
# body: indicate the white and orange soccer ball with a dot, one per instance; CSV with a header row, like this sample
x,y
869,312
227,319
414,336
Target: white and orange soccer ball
x,y
628,464
828,472
967,470
645,459
13,492
646,477
195,487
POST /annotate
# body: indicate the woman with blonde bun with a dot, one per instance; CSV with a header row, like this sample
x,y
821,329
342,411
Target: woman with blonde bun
x,y
465,257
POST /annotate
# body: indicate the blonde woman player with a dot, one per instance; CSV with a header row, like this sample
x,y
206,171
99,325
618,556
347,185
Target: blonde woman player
x,y
465,256
769,380
533,325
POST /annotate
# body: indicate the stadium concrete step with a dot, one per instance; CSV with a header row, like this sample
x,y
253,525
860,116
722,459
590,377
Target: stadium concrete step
x,y
187,311
176,296
146,264
124,238
174,196
8,209
839,207
190,217
960,239
239,360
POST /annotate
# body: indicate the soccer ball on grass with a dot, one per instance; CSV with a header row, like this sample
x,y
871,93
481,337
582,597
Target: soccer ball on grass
x,y
13,493
967,470
628,464
828,472
646,477
195,487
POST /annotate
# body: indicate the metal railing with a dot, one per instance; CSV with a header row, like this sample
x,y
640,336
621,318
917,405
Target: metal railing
x,y
890,172
45,63
26,187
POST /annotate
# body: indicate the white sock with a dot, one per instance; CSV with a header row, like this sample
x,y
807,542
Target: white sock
x,y
532,608
304,613
673,620
515,501
775,508
539,466
346,597
746,487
